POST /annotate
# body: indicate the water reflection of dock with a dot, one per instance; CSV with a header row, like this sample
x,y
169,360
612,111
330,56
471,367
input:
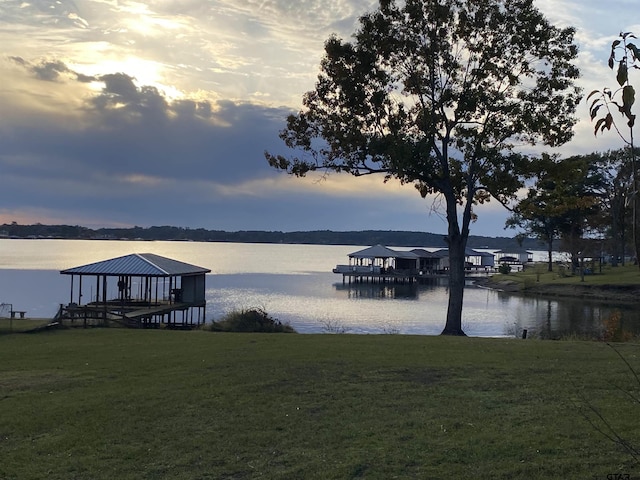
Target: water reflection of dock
x,y
378,290
393,291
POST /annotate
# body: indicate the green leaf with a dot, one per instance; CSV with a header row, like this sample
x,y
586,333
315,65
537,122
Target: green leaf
x,y
594,111
592,93
622,75
598,125
594,103
634,50
628,97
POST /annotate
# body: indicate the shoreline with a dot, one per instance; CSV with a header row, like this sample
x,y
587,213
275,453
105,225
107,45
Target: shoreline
x,y
608,293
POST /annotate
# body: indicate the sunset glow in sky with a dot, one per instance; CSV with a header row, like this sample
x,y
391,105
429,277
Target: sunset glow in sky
x,y
123,113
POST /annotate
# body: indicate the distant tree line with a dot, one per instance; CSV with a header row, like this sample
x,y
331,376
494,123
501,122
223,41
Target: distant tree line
x,y
318,237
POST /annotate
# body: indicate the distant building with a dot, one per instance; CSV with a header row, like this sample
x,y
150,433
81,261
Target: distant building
x,y
473,259
515,257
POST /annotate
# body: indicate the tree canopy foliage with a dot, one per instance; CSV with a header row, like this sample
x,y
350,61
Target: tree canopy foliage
x,y
579,199
565,202
439,95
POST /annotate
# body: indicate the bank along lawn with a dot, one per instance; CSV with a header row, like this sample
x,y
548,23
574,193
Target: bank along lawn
x,y
113,403
538,275
15,325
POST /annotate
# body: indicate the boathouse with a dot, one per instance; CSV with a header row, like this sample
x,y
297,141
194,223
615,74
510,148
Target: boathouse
x,y
477,260
380,263
137,290
430,262
383,264
438,261
516,258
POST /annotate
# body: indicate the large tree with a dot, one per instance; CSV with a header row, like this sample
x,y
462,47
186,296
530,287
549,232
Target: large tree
x,y
437,94
611,182
566,201
617,173
539,213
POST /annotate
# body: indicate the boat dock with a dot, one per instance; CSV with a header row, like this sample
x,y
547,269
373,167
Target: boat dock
x,y
380,264
137,290
399,277
171,315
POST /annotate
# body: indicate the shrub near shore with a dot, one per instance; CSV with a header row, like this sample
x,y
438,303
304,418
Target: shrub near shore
x,y
255,320
115,403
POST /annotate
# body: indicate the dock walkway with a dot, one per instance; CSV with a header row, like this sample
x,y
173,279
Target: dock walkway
x,y
173,315
403,276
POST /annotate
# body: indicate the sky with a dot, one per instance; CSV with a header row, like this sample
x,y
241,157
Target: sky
x,y
141,113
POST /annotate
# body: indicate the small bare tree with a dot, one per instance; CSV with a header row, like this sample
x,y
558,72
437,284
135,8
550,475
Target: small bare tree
x,y
625,55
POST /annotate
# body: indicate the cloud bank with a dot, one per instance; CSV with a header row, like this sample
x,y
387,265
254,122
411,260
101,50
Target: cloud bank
x,y
158,113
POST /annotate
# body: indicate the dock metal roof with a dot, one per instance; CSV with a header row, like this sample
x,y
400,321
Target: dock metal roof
x,y
138,264
469,252
379,251
422,253
515,250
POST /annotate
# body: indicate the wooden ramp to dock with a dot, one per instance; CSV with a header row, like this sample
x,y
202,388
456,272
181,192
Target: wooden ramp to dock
x,y
144,317
47,326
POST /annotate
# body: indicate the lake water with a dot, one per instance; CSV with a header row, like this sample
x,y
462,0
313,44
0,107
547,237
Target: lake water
x,y
294,284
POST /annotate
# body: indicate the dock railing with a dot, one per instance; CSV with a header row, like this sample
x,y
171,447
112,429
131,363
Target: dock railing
x,y
357,269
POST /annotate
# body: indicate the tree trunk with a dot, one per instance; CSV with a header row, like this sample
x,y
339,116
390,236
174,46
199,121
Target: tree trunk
x,y
636,199
457,245
623,245
615,244
550,252
636,223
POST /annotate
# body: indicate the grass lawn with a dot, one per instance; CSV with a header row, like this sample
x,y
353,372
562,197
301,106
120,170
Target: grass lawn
x,y
608,275
127,404
14,325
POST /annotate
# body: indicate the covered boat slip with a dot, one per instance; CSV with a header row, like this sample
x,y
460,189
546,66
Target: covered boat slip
x,y
137,290
382,264
379,263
